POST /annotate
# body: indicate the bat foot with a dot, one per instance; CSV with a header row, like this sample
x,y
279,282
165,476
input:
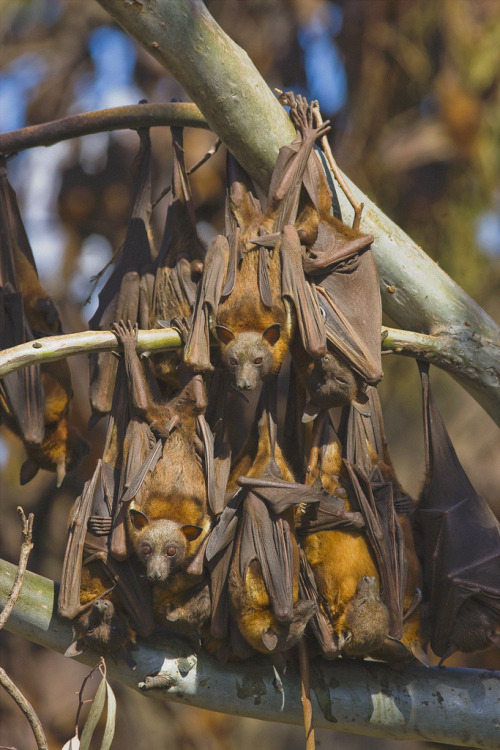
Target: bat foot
x,y
156,682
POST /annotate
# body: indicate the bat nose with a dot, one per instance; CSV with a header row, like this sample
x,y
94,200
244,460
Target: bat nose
x,y
244,385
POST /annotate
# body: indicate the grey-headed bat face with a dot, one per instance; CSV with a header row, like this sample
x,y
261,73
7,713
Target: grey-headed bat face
x,y
101,629
162,545
331,382
248,355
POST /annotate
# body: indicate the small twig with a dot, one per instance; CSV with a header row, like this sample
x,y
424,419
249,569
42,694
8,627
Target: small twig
x,y
26,708
130,117
102,669
211,151
358,207
306,695
26,547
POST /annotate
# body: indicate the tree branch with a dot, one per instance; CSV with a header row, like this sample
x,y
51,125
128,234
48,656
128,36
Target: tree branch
x,y
454,706
245,114
445,350
131,117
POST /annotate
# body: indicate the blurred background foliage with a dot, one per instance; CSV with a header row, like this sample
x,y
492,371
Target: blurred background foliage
x,y
413,91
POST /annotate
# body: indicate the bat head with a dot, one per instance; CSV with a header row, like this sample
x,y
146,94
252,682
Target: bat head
x,y
331,382
162,545
100,629
248,355
366,618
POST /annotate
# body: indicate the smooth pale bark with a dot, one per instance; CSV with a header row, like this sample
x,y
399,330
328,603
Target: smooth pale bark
x,y
52,348
453,706
245,114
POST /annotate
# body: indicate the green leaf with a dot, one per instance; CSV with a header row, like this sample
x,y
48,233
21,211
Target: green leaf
x,y
72,744
94,716
109,729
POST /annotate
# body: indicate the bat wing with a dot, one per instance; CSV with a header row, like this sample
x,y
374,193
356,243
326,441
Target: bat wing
x,y
386,540
22,391
300,293
174,292
219,554
197,349
68,602
180,239
319,624
349,298
264,537
329,513
460,534
119,298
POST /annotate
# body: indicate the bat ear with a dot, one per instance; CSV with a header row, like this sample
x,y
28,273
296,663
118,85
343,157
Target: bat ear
x,y
60,472
29,469
75,649
225,335
361,397
191,532
138,518
272,334
269,639
310,412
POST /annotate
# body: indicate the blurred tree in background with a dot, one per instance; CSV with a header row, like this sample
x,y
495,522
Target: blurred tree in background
x,y
413,90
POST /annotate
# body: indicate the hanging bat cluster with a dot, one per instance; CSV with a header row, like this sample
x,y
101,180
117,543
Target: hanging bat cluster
x,y
304,536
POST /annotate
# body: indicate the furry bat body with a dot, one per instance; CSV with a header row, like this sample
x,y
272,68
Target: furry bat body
x,y
365,446
35,402
253,553
104,597
253,292
340,565
460,545
168,498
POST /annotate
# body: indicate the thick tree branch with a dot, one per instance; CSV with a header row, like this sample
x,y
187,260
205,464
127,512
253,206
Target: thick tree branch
x,y
454,706
245,114
117,118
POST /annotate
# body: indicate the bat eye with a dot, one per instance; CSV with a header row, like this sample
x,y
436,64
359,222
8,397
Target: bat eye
x,y
171,551
233,361
326,358
146,549
257,361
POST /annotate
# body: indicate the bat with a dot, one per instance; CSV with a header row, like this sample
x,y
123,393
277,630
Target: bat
x,y
252,551
339,568
34,403
460,546
168,499
364,443
339,265
104,597
253,293
125,294
178,266
103,588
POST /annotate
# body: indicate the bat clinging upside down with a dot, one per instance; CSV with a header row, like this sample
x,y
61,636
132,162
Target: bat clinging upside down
x,y
178,266
169,497
34,403
124,295
460,546
253,292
